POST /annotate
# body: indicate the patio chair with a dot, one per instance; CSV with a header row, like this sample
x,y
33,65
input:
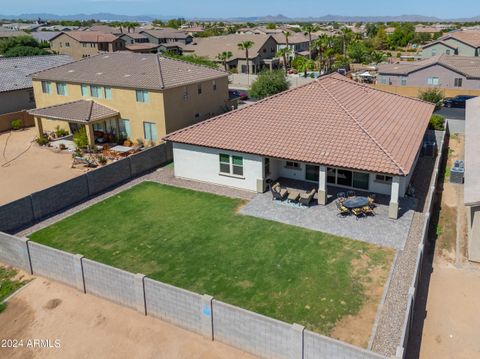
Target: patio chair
x,y
341,196
358,212
342,210
368,211
278,193
350,194
306,198
371,200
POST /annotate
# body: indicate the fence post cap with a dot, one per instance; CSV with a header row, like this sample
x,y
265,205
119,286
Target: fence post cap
x,y
140,275
298,327
207,297
79,256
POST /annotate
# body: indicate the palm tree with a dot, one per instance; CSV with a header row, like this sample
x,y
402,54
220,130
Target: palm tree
x,y
347,35
287,35
307,30
284,52
245,45
224,56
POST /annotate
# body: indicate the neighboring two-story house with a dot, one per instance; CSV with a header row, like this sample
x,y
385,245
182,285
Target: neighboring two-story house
x,y
262,55
141,97
163,36
298,43
461,43
460,73
80,44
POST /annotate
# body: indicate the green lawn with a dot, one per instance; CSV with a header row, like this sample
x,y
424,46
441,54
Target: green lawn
x,y
8,284
197,241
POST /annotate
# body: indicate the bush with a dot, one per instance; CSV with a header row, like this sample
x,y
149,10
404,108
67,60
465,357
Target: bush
x,y
268,83
60,132
62,147
433,95
437,122
102,160
42,141
16,124
80,138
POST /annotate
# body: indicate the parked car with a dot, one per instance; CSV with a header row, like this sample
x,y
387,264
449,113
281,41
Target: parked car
x,y
457,101
233,94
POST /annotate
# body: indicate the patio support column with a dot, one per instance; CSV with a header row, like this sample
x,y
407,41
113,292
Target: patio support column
x,y
39,126
90,134
393,207
322,185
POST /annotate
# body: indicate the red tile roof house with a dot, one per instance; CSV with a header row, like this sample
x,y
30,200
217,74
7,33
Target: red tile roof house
x,y
332,131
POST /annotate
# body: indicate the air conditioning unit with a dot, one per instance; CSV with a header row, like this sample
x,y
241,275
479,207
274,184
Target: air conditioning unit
x,y
457,172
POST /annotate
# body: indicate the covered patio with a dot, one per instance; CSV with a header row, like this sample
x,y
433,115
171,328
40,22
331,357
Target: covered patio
x,y
79,113
379,229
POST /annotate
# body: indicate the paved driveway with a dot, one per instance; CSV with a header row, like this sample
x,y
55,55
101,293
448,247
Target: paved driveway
x,y
452,113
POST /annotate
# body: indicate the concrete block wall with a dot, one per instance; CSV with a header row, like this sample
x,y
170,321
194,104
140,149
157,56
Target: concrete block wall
x,y
41,204
109,282
175,305
317,346
14,251
53,263
254,333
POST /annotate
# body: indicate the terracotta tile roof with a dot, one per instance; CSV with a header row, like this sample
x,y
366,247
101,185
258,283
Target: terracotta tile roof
x,y
131,70
211,46
167,34
332,121
294,38
91,36
83,111
142,46
469,66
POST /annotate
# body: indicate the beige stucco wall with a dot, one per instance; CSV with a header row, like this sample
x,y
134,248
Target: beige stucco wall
x,y
76,49
123,101
165,108
181,113
413,91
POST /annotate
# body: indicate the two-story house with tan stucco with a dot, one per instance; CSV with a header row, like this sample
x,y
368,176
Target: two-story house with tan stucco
x,y
141,97
81,44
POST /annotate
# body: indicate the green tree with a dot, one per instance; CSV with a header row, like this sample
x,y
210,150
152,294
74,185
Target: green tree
x,y
224,56
21,46
432,95
246,45
377,57
284,52
268,83
358,52
271,26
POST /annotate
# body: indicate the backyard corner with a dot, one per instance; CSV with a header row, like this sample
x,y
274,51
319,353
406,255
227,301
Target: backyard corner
x,y
199,241
10,281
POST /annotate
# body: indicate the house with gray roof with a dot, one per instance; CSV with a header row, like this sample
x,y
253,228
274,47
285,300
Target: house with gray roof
x,y
446,72
16,91
459,42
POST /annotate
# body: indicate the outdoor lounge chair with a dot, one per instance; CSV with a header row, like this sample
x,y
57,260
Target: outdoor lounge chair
x,y
342,210
278,192
350,194
307,197
368,211
341,196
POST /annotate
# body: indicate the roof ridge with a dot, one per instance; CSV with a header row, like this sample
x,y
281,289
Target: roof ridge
x,y
59,104
361,127
191,63
162,83
90,111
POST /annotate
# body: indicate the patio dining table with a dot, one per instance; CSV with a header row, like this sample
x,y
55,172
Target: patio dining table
x,y
356,202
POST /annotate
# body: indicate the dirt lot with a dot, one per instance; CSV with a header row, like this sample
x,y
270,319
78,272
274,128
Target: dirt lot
x,y
89,327
25,167
450,307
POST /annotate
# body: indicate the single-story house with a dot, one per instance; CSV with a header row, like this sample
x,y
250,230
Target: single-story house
x,y
472,177
331,132
447,72
16,89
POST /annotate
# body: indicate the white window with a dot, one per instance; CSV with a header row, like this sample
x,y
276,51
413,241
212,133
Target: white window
x,y
125,128
433,81
403,81
231,165
108,93
46,87
61,89
150,131
434,52
142,95
447,51
384,80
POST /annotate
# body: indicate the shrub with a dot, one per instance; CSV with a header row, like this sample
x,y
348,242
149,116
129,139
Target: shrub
x,y
60,132
268,83
437,122
16,124
80,138
42,141
102,160
433,95
62,147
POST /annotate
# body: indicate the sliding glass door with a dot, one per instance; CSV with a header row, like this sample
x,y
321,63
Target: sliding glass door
x,y
348,178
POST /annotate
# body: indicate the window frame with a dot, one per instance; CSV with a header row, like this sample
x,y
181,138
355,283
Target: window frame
x,y
227,161
381,178
142,96
153,134
458,82
98,93
46,87
63,86
292,165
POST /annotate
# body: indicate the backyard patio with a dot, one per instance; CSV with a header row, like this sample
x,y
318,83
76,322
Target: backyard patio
x,y
376,229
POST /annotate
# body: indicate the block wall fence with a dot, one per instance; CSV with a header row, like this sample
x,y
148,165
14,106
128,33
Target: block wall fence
x,y
202,314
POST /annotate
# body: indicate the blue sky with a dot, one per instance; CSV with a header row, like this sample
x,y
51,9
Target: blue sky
x,y
225,8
